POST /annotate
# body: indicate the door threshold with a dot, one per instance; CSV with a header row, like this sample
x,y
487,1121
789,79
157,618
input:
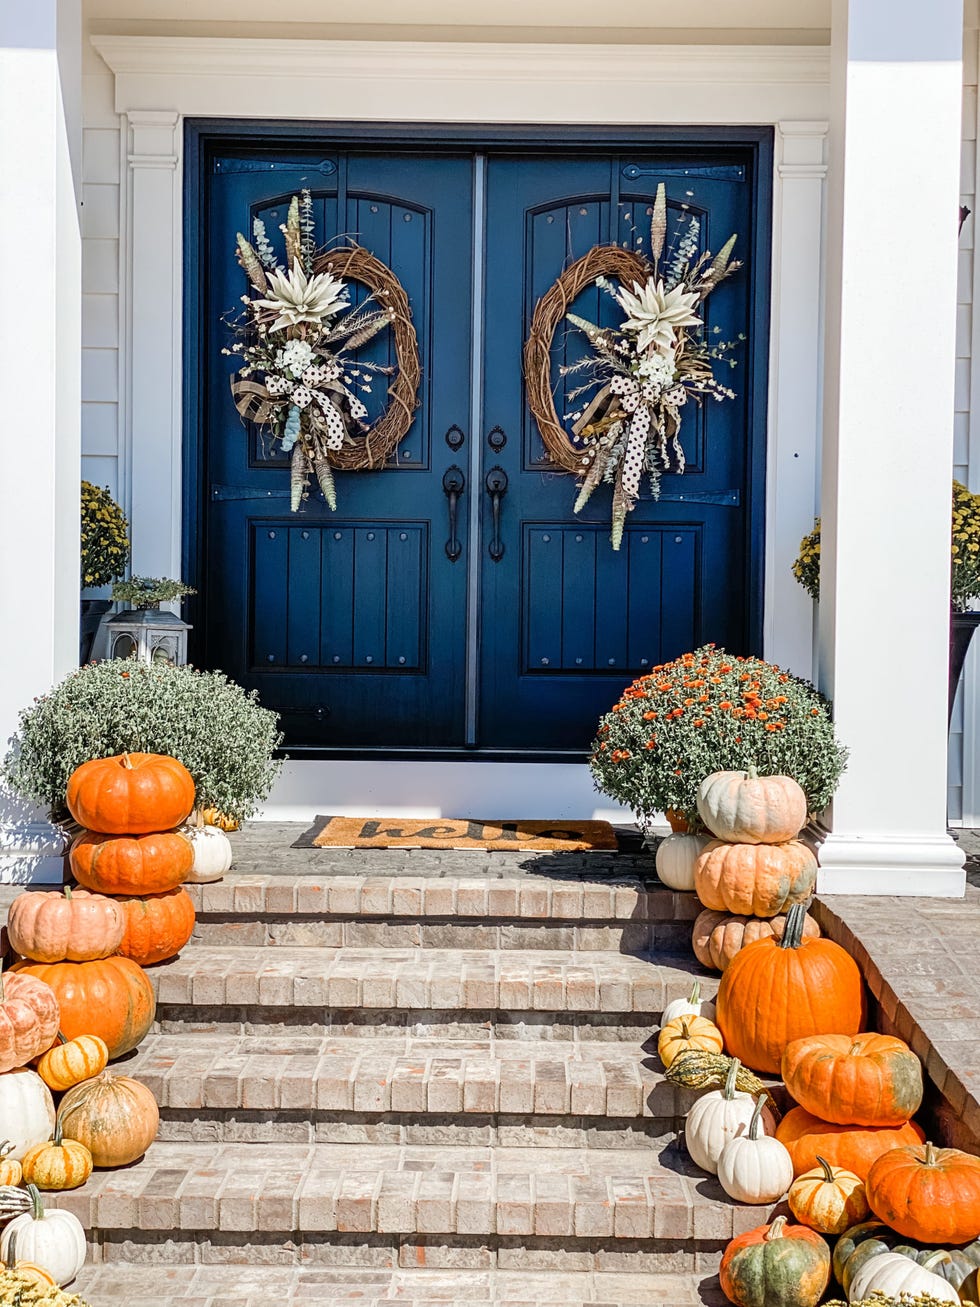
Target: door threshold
x,y
328,754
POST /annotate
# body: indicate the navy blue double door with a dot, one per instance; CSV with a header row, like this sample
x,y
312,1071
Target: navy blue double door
x,y
454,601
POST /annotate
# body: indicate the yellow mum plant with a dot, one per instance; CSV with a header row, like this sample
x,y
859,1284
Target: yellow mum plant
x,y
105,537
964,547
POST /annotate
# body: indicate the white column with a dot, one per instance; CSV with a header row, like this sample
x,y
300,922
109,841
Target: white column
x,y
40,349
888,440
794,372
153,425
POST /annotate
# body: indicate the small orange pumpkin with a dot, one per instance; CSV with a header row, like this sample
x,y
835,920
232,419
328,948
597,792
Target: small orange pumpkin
x,y
36,1276
927,1193
776,991
71,1061
75,926
11,1172
828,1198
59,1164
687,1032
137,864
757,880
111,998
130,794
853,1147
215,817
719,936
864,1079
157,926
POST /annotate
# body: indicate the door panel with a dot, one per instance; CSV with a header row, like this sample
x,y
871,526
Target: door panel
x,y
565,620
352,623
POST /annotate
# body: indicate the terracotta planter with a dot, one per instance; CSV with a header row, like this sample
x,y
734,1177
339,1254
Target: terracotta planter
x,y
678,824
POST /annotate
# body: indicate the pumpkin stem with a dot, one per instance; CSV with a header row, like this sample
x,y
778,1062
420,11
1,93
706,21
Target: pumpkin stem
x,y
930,1154
126,762
775,1230
756,1116
828,1170
68,892
695,992
935,1258
57,1137
37,1206
685,1033
855,1048
752,772
793,930
62,1039
728,1092
5,1147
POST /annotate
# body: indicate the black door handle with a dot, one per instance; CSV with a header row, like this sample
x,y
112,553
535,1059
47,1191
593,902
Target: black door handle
x,y
453,485
496,488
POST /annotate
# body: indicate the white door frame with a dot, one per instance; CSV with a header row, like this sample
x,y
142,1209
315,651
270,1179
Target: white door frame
x,y
159,81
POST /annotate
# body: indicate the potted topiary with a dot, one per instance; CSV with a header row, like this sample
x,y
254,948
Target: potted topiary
x,y
221,734
104,555
709,711
964,578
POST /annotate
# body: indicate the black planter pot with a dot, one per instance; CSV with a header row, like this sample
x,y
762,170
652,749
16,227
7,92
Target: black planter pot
x,y
961,628
92,613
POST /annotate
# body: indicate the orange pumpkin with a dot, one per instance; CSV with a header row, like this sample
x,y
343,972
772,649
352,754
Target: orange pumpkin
x,y
131,864
131,794
718,936
828,1198
687,1032
852,1147
11,1171
157,926
59,1164
115,1117
72,1060
215,817
776,1263
35,1276
776,991
927,1193
759,880
111,998
28,1019
73,926
854,1079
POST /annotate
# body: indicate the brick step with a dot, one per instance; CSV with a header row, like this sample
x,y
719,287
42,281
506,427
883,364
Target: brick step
x,y
258,1286
358,1204
624,913
446,991
409,1090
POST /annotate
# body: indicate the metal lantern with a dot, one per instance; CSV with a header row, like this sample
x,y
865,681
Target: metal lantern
x,y
149,634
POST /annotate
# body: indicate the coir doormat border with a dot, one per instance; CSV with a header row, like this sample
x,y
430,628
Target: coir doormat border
x,y
462,833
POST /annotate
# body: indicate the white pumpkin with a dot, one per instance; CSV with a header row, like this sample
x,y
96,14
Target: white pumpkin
x,y
676,856
26,1110
892,1274
212,851
754,1168
53,1240
695,1006
717,1117
746,808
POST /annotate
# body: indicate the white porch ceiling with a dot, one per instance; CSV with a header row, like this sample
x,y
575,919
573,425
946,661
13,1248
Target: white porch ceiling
x,y
757,22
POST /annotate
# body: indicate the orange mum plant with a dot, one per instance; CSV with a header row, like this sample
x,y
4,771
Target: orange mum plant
x,y
710,711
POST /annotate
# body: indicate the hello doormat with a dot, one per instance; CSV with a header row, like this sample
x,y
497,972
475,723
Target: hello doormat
x,y
449,833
